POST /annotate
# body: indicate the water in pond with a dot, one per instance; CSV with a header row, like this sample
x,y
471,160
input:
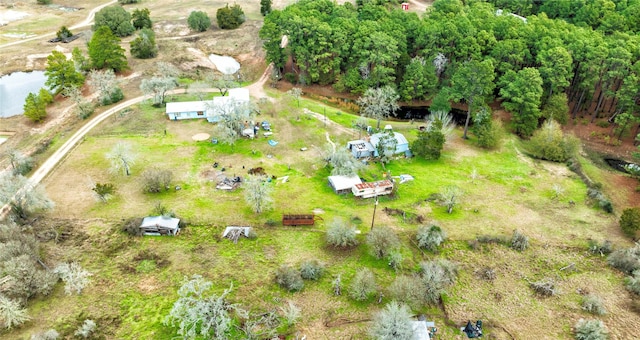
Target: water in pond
x,y
225,64
619,164
421,112
14,89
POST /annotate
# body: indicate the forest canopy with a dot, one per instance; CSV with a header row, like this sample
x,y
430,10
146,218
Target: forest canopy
x,y
586,49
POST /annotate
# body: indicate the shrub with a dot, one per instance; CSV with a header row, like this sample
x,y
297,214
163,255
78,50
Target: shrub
x,y
11,313
75,278
551,144
265,7
519,241
199,21
604,248
593,305
430,142
435,276
603,202
486,273
382,241
44,2
26,277
591,330
156,180
430,237
126,2
492,239
632,283
104,191
341,235
630,221
289,278
291,77
393,322
311,270
144,46
363,285
63,33
230,17
488,131
131,226
395,260
50,334
87,328
290,313
545,287
407,289
626,260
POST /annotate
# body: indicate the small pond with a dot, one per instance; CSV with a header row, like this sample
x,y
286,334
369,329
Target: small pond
x,y
421,112
225,64
14,89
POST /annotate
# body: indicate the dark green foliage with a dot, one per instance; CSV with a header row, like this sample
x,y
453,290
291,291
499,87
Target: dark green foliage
x,y
230,17
522,92
63,33
105,51
35,107
199,21
104,190
127,2
556,108
430,142
626,260
519,241
430,237
593,305
488,131
550,143
265,7
630,221
116,18
144,46
141,18
382,241
61,72
363,286
289,278
311,270
597,195
114,96
44,2
591,330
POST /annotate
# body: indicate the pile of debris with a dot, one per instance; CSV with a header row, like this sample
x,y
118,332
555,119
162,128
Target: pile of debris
x,y
228,183
234,233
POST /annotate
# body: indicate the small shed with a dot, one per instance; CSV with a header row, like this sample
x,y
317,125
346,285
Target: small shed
x,y
423,330
160,225
360,148
343,184
371,189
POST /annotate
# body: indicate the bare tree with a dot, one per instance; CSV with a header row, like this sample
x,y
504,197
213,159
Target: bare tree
x,y
223,82
344,164
295,93
87,328
107,85
84,107
75,277
257,193
158,87
393,323
197,313
363,285
24,197
451,197
198,89
234,118
379,103
20,163
156,180
122,158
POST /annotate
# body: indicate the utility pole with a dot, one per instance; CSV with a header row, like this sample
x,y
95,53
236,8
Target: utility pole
x,y
375,191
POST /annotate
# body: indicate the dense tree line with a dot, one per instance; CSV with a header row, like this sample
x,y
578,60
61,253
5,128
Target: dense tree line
x,y
468,52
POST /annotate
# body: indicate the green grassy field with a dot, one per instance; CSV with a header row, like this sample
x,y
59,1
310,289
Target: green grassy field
x,y
135,279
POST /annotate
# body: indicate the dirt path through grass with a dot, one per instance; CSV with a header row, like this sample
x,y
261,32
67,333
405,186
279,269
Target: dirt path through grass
x,y
85,22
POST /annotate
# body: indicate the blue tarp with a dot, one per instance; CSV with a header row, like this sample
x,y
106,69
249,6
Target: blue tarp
x,y
273,142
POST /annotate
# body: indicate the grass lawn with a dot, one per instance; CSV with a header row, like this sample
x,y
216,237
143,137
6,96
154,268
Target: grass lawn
x,y
135,279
